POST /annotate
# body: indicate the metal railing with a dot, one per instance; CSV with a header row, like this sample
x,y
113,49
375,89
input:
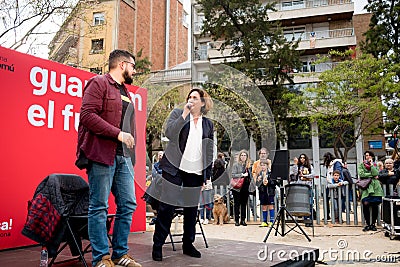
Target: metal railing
x,y
318,35
171,75
299,4
324,207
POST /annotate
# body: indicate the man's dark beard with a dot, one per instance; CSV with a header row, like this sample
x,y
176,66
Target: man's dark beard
x,y
127,79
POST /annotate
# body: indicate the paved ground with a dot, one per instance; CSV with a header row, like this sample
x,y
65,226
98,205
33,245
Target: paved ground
x,y
340,245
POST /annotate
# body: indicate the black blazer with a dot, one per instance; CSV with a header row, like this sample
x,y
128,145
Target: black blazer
x,y
177,131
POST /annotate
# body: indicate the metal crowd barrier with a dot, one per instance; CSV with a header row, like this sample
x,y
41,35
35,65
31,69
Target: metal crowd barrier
x,y
321,199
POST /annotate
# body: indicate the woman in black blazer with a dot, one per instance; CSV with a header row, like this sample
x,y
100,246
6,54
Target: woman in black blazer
x,y
186,165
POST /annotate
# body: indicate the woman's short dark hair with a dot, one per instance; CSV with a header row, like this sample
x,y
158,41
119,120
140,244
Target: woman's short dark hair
x,y
205,98
370,153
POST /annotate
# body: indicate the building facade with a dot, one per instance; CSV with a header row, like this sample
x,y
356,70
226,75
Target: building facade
x,y
321,26
158,28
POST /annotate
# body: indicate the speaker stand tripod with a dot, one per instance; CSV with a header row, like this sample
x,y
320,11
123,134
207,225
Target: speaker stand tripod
x,y
280,219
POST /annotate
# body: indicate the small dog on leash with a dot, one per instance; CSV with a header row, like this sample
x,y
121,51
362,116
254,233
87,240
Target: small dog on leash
x,y
220,212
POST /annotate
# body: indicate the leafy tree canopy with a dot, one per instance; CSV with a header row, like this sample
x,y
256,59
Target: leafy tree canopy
x,y
348,97
257,44
382,38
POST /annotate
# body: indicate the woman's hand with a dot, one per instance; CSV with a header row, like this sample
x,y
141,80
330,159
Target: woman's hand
x,y
245,174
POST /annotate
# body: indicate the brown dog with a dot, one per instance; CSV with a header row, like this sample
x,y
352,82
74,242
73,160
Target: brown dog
x,y
220,212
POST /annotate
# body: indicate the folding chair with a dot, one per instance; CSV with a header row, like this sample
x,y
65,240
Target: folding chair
x,y
178,213
58,213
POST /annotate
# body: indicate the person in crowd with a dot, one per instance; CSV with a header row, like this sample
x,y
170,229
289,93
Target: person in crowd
x,y
396,158
331,164
372,196
106,139
219,174
389,176
266,189
156,166
349,179
336,189
186,165
303,173
241,168
263,154
206,202
293,171
380,165
156,172
370,156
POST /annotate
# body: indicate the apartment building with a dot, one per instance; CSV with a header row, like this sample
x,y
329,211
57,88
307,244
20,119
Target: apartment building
x,y
157,27
321,25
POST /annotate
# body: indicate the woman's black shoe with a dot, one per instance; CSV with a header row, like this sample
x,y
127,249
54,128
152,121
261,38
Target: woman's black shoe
x,y
237,224
156,254
191,251
243,223
367,228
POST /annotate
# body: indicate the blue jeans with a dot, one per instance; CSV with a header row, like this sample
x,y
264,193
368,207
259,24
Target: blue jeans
x,y
119,180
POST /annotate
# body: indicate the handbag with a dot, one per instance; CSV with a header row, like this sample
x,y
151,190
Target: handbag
x,y
363,183
237,183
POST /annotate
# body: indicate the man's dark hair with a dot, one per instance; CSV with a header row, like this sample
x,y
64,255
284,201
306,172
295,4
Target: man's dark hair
x,y
117,56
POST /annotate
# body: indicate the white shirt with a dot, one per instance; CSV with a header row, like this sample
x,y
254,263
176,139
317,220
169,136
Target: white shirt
x,y
192,161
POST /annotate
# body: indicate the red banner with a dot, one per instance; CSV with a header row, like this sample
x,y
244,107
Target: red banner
x,y
39,118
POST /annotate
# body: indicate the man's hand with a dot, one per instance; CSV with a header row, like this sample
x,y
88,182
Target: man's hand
x,y
127,139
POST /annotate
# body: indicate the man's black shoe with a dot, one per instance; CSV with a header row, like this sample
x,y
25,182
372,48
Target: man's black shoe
x,y
243,223
373,228
157,253
191,251
237,224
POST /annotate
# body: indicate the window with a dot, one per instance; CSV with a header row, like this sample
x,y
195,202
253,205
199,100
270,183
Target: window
x,y
295,4
294,33
96,70
98,18
299,133
97,46
185,18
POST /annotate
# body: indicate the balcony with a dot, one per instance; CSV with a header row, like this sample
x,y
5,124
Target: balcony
x,y
327,39
292,9
167,76
322,39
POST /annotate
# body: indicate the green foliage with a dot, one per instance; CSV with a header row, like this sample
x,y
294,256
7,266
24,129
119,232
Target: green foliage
x,y
263,54
352,91
161,99
142,64
382,41
383,36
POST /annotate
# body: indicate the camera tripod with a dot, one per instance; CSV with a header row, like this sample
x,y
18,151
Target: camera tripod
x,y
280,219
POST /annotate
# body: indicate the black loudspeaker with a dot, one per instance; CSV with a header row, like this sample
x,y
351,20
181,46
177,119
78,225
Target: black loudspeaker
x,y
280,165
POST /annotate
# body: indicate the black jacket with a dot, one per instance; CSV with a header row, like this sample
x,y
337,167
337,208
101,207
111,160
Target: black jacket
x,y
56,197
177,131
